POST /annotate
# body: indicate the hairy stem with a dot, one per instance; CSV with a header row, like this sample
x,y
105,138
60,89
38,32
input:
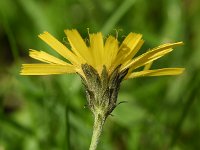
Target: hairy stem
x,y
97,129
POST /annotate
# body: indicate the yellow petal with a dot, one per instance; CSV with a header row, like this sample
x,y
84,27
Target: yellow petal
x,y
130,43
78,45
45,57
150,56
110,51
128,48
46,69
59,47
97,49
135,50
144,59
148,66
168,45
157,72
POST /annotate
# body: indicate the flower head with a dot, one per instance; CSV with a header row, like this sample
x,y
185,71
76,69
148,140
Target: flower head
x,y
102,65
110,54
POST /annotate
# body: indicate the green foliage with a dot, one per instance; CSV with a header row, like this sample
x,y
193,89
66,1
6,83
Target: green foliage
x,y
47,112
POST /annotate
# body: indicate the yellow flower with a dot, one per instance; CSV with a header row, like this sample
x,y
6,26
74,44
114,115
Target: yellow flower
x,y
101,65
97,54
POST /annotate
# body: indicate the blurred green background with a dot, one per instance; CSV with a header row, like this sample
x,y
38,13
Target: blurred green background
x,y
48,113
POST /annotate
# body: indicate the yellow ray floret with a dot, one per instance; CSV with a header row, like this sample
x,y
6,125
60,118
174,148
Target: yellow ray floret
x,y
150,56
156,72
46,69
110,51
97,50
60,48
78,45
45,57
128,48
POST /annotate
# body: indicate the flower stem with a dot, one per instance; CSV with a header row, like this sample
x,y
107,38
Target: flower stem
x,y
97,129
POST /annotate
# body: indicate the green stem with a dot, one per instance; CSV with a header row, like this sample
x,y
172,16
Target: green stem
x,y
97,129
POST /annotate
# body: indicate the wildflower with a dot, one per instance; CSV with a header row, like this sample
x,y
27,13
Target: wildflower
x,y
101,65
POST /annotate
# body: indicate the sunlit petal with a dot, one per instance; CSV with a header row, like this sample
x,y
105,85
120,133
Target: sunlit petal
x,y
59,47
157,72
97,48
128,48
110,51
45,57
78,45
46,69
150,56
